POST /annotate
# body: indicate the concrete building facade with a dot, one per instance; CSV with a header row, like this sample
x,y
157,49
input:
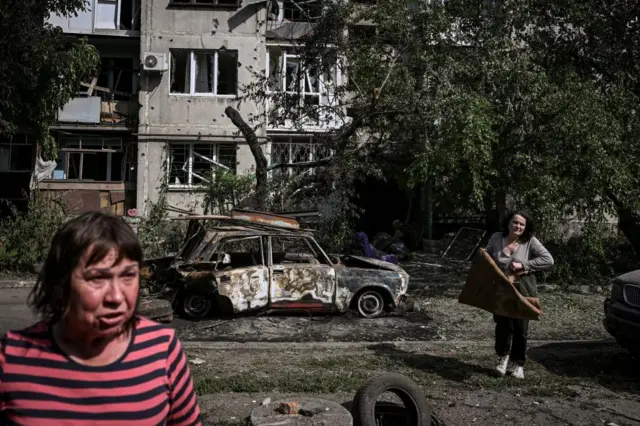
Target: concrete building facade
x,y
154,115
211,51
95,130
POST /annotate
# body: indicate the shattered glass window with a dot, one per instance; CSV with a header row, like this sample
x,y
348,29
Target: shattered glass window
x,y
291,250
275,69
178,164
192,164
242,252
297,152
203,159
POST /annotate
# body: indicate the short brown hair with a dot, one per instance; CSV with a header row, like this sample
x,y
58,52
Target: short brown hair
x,y
102,231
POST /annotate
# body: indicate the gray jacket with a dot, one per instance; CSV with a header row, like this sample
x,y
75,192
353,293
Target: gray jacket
x,y
532,254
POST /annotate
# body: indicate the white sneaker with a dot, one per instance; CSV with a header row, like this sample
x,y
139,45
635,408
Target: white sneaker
x,y
518,372
501,368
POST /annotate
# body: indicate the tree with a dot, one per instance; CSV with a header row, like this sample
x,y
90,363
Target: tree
x,y
600,43
479,99
41,67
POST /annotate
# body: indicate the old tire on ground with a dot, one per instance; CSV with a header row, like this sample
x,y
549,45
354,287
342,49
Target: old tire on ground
x,y
364,403
370,304
196,304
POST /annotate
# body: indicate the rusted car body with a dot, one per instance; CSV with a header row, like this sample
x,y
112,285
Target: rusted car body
x,y
242,265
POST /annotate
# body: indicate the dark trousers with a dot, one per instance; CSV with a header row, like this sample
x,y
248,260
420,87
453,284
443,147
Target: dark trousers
x,y
511,338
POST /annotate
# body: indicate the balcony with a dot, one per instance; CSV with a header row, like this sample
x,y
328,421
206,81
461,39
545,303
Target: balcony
x,y
120,18
108,99
93,111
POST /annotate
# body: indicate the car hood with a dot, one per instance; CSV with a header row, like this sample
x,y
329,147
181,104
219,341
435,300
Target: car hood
x,y
632,277
367,262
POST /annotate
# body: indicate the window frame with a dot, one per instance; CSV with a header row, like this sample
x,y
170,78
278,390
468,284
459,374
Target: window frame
x,y
220,247
323,89
325,96
8,145
192,73
116,145
320,255
190,174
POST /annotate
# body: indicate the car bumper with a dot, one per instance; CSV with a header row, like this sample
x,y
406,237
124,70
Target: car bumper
x,y
621,321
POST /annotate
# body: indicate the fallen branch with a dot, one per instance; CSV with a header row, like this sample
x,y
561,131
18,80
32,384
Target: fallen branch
x,y
261,160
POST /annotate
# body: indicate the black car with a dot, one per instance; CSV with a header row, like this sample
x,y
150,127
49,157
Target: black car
x,y
622,311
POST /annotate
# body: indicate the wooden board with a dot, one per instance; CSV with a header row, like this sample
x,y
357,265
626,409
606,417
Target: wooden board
x,y
488,288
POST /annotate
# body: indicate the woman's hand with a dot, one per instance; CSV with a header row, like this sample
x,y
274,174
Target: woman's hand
x,y
516,266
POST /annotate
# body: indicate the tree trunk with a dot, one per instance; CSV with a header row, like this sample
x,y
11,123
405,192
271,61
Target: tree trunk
x,y
628,222
501,205
258,155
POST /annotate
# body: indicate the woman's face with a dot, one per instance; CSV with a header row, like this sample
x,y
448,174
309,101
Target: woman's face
x,y
103,295
517,225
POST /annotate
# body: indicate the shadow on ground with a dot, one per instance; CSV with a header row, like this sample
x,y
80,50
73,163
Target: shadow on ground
x,y
604,362
448,368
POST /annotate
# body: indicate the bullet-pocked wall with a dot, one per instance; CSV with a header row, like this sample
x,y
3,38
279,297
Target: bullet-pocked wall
x,y
212,52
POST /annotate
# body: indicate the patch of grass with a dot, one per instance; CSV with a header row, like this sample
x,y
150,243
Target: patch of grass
x,y
554,371
294,380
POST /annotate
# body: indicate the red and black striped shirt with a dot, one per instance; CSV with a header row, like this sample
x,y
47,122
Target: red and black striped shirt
x,y
149,385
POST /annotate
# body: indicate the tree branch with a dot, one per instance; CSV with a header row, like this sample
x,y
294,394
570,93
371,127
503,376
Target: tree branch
x,y
261,160
300,165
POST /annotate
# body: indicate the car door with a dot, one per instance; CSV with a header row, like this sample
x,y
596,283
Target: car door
x,y
301,277
241,273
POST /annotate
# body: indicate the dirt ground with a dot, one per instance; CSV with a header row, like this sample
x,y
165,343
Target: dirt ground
x,y
566,383
566,317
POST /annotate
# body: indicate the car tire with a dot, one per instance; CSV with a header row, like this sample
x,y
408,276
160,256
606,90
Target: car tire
x,y
415,403
370,304
196,304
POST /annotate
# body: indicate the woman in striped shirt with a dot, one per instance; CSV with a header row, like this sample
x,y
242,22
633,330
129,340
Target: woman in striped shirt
x,y
91,359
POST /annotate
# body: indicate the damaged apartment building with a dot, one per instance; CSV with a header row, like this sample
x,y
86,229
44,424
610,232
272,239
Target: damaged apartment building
x,y
153,114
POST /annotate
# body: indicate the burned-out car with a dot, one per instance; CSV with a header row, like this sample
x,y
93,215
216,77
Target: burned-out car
x,y
247,263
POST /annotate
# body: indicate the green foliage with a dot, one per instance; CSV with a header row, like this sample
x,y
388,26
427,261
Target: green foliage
x,y
225,190
485,110
25,238
40,68
160,236
592,257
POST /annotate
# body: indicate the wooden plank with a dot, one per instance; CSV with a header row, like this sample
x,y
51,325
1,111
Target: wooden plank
x,y
107,90
92,85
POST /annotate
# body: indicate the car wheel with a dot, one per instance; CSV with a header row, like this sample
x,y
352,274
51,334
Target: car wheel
x,y
196,305
370,304
417,410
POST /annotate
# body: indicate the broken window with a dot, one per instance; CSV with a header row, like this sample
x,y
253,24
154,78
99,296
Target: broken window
x,y
204,72
16,155
117,15
91,158
206,2
180,71
294,250
301,10
289,150
287,74
191,164
118,76
239,253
